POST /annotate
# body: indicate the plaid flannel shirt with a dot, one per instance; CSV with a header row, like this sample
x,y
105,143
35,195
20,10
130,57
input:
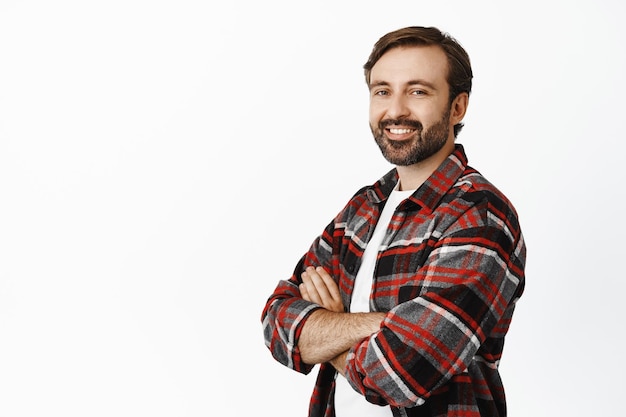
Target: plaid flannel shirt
x,y
449,272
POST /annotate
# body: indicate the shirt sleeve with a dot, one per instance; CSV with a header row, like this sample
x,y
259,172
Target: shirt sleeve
x,y
286,311
468,284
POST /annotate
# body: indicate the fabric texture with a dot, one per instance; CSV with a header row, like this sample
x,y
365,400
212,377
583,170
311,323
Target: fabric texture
x,y
348,402
449,273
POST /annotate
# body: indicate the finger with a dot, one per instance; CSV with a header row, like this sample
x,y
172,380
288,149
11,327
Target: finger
x,y
327,289
310,288
331,285
304,292
333,299
320,284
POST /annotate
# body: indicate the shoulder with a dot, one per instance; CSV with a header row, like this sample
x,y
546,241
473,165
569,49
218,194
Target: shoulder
x,y
473,186
473,193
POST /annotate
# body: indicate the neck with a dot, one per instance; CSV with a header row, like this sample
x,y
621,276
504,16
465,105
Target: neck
x,y
411,177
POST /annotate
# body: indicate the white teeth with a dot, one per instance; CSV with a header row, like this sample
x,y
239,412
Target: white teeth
x,y
400,131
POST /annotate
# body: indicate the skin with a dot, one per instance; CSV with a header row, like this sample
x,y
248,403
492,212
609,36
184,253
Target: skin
x,y
413,121
409,85
320,342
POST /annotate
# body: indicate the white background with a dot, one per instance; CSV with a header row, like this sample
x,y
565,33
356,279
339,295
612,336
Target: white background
x,y
164,163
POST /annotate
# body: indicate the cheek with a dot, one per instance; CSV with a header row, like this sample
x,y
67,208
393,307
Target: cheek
x,y
373,120
429,117
376,114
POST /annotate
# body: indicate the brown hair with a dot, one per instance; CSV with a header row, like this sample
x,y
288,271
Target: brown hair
x,y
459,75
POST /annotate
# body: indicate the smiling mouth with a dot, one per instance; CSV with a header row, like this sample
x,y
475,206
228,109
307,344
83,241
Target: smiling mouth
x,y
398,131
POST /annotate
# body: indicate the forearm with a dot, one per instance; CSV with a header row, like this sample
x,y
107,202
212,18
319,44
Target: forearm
x,y
327,334
339,362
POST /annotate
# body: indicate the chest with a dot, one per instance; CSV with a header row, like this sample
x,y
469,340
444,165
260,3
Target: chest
x,y
396,255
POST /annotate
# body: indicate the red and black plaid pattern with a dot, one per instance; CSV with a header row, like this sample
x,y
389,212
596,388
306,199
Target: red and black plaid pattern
x,y
449,272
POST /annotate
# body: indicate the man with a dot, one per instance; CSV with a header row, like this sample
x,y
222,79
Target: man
x,y
405,298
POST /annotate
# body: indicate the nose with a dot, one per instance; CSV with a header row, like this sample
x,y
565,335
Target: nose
x,y
398,107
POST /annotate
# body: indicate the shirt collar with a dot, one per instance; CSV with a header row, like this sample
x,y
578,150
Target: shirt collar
x,y
430,192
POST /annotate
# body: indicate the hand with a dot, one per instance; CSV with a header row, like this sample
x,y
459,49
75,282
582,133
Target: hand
x,y
320,288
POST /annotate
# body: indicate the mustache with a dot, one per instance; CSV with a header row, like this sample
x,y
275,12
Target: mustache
x,y
404,122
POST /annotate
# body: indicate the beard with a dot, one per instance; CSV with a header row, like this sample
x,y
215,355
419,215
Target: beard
x,y
423,145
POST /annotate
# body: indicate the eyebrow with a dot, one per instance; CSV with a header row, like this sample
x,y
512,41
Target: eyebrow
x,y
410,83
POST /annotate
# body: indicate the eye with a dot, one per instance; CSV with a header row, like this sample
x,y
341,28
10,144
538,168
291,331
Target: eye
x,y
381,93
418,92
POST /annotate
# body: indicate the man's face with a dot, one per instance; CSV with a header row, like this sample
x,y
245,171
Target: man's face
x,y
409,105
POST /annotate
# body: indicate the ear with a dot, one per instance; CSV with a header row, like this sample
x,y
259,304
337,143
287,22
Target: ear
x,y
458,108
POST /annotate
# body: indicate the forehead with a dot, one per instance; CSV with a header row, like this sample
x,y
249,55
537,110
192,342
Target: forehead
x,y
400,64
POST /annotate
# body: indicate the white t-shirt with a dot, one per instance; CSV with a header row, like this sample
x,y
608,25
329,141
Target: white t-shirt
x,y
348,402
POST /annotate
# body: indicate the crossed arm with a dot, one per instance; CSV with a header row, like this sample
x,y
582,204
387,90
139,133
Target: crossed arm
x,y
329,333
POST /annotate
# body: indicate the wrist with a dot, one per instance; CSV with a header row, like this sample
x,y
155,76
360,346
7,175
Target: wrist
x,y
339,362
